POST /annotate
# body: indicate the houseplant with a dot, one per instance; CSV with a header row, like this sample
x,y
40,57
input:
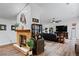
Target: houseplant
x,y
31,43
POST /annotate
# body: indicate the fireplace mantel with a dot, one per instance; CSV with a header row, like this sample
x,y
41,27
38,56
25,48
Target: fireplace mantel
x,y
21,36
26,33
28,30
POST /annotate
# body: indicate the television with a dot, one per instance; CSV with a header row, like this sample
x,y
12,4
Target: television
x,y
61,28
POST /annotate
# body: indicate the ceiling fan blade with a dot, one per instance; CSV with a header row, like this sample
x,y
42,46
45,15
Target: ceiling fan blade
x,y
58,21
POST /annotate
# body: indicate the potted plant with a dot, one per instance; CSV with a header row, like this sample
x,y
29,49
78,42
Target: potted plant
x,y
31,43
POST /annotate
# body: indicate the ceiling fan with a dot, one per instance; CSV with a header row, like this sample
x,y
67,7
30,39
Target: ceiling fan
x,y
54,21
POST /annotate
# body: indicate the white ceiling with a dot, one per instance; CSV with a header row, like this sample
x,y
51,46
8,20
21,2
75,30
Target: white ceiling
x,y
59,11
10,10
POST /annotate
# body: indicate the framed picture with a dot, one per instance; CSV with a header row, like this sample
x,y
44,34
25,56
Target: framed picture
x,y
50,30
35,20
13,27
23,18
2,27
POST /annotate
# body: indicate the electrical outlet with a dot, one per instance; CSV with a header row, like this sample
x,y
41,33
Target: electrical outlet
x,y
10,40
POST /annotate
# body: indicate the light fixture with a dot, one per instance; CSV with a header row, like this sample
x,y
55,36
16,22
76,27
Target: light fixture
x,y
67,3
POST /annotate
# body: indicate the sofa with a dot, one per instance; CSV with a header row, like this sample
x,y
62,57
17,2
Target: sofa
x,y
50,37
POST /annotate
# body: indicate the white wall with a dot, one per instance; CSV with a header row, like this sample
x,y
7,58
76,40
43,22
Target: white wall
x,y
8,36
27,13
49,25
69,23
36,11
30,11
61,11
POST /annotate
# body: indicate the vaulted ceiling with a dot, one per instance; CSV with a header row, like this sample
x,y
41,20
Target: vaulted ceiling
x,y
10,10
59,11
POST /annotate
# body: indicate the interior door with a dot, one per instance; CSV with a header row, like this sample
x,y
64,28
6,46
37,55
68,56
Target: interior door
x,y
73,33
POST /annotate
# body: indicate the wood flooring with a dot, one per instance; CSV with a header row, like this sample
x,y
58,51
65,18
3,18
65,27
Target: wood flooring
x,y
59,49
51,49
9,50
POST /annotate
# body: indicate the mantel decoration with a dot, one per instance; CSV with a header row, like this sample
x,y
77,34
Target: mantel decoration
x,y
17,24
23,18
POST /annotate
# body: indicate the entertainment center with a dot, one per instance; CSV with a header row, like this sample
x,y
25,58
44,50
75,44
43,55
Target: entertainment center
x,y
61,28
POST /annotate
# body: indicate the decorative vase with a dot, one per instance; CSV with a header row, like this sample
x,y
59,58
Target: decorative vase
x,y
22,27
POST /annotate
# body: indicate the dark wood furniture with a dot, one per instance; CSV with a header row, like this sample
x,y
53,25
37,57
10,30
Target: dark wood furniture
x,y
77,47
61,37
39,42
66,35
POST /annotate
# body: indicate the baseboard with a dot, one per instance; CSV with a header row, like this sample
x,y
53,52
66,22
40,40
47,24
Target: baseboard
x,y
6,44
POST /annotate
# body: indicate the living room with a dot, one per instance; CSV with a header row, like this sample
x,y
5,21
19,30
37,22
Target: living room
x,y
55,23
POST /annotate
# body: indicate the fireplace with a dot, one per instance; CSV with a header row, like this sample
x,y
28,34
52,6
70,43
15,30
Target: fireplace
x,y
22,40
21,37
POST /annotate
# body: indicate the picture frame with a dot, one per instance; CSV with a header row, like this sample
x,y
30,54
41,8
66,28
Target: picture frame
x,y
13,27
2,27
51,30
23,18
35,20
